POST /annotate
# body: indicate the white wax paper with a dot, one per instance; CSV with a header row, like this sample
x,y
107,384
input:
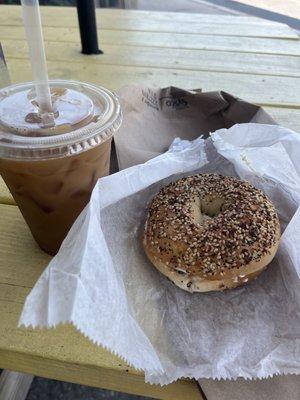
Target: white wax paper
x,y
102,282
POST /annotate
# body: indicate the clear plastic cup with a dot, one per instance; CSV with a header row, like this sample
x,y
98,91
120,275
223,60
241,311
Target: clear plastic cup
x,y
51,171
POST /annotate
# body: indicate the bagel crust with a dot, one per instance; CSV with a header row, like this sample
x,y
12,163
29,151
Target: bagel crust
x,y
211,232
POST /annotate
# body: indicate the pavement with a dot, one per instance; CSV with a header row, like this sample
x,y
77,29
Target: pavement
x,y
48,389
290,8
278,11
286,11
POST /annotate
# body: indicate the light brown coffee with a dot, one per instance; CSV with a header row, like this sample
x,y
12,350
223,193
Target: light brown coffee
x,y
52,193
51,169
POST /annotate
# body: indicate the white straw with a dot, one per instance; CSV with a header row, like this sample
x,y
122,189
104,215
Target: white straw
x,y
34,34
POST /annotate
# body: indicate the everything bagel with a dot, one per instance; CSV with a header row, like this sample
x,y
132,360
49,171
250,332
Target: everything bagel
x,y
211,232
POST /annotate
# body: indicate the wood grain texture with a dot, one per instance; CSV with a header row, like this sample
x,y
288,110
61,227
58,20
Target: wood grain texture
x,y
260,89
127,14
5,196
60,353
287,117
165,39
132,20
156,57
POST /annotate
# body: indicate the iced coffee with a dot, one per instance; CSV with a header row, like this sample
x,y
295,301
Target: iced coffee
x,y
51,171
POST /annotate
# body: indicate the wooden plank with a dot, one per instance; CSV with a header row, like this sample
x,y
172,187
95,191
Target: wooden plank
x,y
261,89
165,39
157,22
5,196
14,386
162,16
197,60
61,353
288,117
183,17
91,375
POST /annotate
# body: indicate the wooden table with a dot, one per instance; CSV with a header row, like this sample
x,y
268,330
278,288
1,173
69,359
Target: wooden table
x,y
255,59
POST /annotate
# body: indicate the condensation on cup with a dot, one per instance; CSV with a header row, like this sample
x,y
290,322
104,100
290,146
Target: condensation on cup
x,y
51,171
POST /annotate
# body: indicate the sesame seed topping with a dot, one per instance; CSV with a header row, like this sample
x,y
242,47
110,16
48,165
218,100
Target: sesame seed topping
x,y
208,223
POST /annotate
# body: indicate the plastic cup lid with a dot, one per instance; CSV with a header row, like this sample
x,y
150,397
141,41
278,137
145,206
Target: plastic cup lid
x,y
85,116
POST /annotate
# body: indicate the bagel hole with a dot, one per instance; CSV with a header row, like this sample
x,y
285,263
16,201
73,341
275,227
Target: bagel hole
x,y
211,206
205,209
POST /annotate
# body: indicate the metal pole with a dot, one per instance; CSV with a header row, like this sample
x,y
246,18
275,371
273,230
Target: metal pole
x,y
88,27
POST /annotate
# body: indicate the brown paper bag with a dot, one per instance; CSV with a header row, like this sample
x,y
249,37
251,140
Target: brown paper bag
x,y
153,118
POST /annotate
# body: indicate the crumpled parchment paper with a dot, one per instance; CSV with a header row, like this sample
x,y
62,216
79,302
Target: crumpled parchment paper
x,y
102,282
